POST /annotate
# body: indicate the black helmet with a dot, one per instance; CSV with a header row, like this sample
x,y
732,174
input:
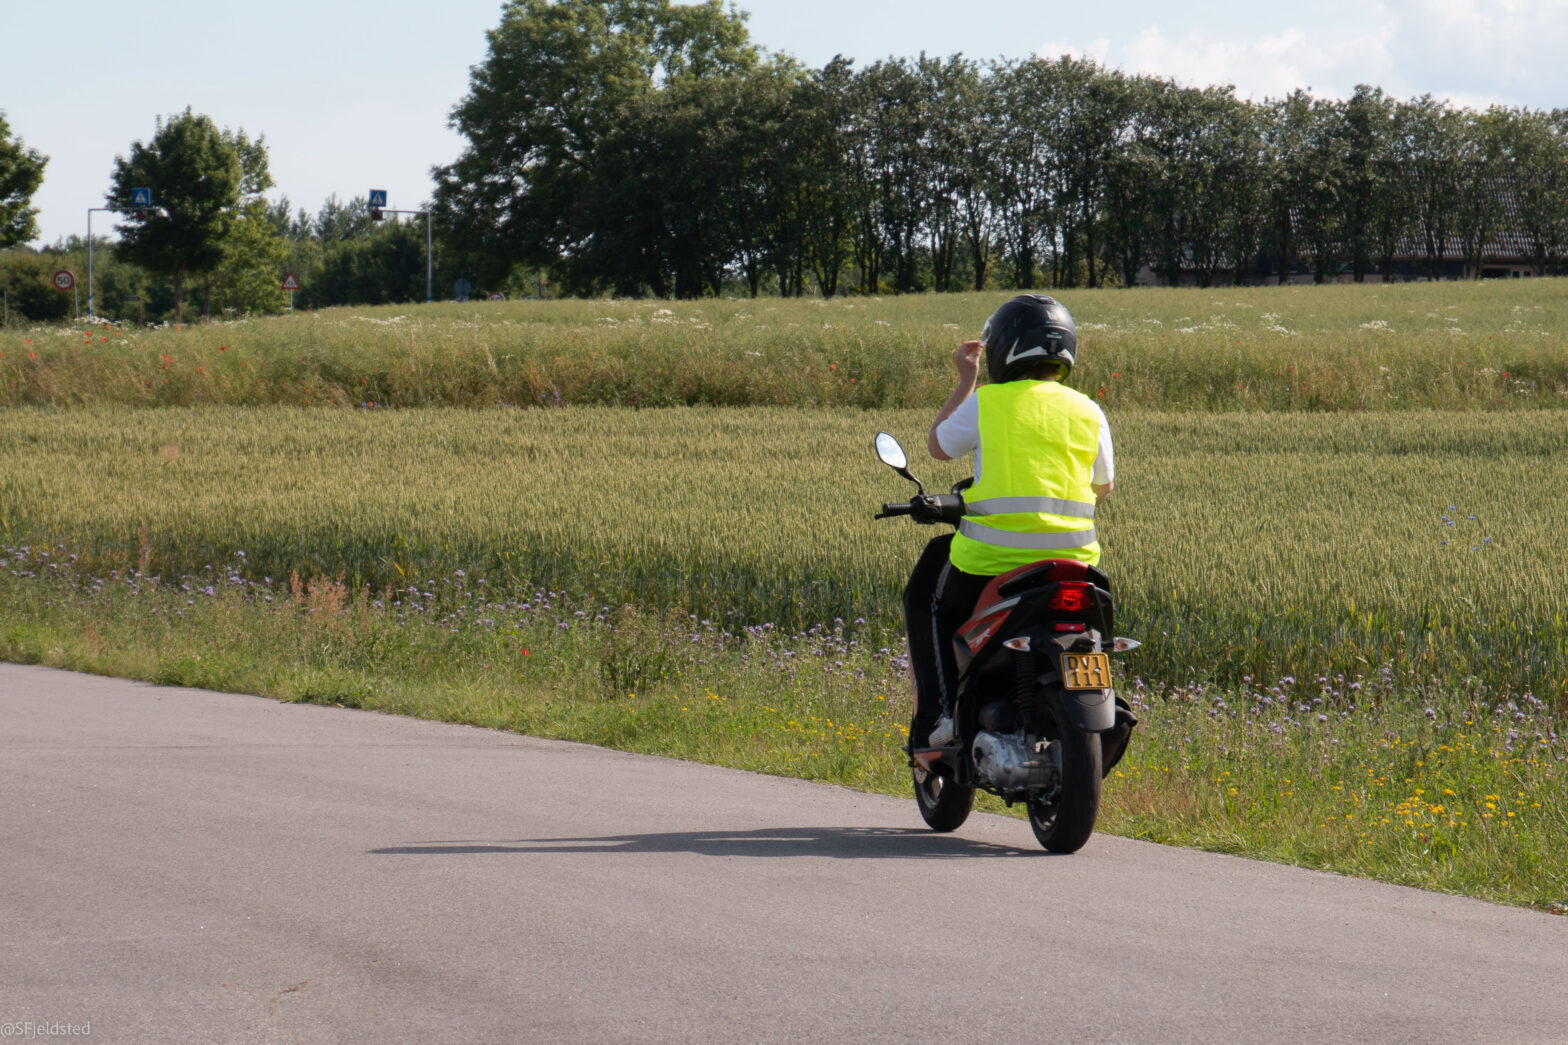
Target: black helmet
x,y
1029,330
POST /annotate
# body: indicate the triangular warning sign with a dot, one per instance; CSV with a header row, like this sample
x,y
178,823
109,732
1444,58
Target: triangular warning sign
x,y
290,283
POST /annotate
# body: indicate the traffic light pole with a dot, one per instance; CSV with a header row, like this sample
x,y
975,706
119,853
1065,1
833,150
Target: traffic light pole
x,y
430,256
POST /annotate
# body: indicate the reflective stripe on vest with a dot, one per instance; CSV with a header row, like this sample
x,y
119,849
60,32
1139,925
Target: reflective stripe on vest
x,y
1040,505
1033,497
1032,541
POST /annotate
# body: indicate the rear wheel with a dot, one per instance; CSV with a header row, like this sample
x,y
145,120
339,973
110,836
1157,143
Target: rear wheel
x,y
943,804
1063,820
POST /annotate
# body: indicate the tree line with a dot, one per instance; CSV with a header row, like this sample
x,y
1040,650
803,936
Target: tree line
x,y
641,147
632,146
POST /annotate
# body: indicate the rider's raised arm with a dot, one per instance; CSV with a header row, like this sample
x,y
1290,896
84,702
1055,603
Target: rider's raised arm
x,y
967,360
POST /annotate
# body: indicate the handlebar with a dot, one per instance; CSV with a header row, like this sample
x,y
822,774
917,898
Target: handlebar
x,y
928,508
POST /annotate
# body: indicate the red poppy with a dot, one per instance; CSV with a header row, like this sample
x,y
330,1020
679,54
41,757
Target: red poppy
x,y
223,348
525,651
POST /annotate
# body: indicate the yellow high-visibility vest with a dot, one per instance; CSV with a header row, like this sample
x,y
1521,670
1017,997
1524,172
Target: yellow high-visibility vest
x,y
1033,499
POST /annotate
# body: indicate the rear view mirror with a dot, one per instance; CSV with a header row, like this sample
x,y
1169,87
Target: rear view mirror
x,y
894,457
891,453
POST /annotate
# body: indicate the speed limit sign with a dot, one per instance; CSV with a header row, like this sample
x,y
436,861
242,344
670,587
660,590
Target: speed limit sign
x,y
64,280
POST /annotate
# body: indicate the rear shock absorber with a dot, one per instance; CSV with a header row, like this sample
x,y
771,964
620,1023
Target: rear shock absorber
x,y
1026,688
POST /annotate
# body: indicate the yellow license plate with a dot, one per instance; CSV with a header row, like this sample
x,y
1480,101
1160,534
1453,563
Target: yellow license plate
x,y
1086,671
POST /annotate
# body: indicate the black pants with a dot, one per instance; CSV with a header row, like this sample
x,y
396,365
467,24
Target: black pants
x,y
937,600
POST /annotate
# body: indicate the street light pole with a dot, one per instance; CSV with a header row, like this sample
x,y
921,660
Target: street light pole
x,y
90,258
430,254
114,210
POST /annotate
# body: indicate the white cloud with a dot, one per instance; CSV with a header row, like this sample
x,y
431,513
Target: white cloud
x,y
1097,49
1499,50
1267,66
1472,53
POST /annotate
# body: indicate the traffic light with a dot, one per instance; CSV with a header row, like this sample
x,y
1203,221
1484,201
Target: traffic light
x,y
375,214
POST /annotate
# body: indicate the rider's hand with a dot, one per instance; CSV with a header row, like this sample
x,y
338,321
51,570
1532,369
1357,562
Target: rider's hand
x,y
967,359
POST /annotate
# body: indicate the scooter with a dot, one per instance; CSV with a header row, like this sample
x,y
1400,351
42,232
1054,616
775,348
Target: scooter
x,y
1036,716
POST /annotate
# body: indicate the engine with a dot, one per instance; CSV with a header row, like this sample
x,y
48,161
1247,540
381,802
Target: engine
x,y
1006,761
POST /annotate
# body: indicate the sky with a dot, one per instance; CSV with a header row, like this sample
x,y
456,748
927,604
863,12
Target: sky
x,y
356,96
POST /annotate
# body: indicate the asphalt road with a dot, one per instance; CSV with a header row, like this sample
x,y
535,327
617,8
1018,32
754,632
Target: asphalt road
x,y
179,865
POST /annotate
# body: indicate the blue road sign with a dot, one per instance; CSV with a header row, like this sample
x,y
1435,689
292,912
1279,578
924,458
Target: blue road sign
x,y
141,197
463,288
378,197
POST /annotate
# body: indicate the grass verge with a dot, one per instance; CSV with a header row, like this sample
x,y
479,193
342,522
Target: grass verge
x,y
1453,789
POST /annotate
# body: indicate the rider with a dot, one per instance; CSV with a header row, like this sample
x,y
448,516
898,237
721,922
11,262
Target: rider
x,y
1043,460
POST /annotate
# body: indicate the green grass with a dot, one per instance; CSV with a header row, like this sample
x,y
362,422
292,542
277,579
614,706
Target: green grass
x,y
1492,345
1240,544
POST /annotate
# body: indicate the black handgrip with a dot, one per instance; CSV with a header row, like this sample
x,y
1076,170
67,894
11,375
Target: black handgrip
x,y
928,508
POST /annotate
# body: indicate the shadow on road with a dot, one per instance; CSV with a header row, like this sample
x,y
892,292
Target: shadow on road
x,y
841,843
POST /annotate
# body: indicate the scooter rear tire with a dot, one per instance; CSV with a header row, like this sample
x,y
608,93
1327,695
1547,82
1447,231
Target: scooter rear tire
x,y
943,804
1065,824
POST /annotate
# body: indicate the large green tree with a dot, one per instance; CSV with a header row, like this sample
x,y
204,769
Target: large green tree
x,y
21,172
202,179
559,78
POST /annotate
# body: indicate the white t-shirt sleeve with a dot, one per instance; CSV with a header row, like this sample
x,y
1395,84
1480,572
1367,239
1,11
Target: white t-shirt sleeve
x,y
1105,460
960,432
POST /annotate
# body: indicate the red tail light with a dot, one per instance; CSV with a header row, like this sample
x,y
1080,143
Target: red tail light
x,y
1072,597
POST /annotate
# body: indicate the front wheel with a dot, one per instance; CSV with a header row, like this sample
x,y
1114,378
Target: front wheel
x,y
1064,819
943,804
